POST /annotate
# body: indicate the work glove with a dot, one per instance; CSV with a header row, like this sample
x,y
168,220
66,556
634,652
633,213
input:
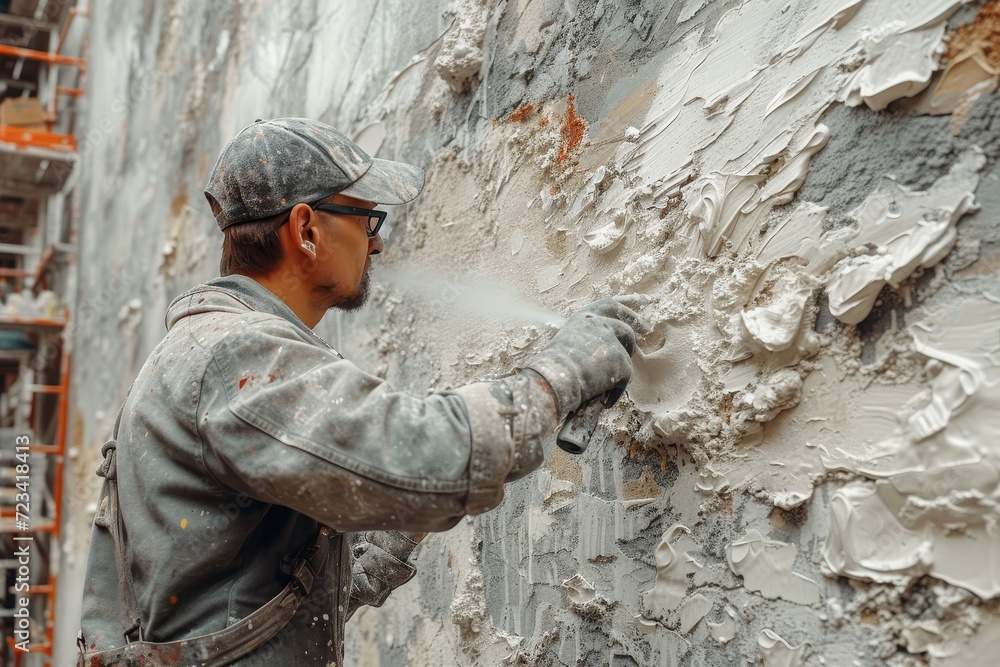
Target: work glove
x,y
591,353
392,542
380,564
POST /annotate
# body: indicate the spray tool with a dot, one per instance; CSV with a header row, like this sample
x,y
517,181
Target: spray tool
x,y
578,429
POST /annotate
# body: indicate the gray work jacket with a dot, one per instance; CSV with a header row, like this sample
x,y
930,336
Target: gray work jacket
x,y
243,431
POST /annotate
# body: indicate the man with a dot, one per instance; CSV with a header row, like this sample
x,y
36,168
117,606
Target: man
x,y
255,479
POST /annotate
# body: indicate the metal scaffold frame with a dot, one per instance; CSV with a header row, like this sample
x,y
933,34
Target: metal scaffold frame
x,y
52,57
45,477
34,378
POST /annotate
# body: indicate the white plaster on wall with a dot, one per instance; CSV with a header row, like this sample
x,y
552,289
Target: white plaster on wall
x,y
693,199
933,508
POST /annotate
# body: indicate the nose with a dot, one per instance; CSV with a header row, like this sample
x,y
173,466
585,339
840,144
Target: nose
x,y
375,245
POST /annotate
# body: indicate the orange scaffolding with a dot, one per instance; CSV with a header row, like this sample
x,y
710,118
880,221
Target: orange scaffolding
x,y
30,152
23,138
49,525
43,56
55,57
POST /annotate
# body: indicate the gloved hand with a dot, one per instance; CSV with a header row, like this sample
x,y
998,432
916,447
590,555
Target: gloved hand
x,y
380,564
398,544
591,353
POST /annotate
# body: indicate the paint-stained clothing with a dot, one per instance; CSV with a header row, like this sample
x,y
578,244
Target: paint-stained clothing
x,y
244,431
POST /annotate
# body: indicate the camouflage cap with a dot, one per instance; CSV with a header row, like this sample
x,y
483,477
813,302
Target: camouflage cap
x,y
272,165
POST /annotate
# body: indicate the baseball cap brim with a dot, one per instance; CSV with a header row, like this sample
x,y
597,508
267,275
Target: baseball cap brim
x,y
387,182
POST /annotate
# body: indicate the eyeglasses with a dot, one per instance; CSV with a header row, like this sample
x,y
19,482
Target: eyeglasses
x,y
374,218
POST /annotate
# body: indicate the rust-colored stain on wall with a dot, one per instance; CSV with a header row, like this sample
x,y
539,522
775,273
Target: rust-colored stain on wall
x,y
178,203
520,114
572,130
984,32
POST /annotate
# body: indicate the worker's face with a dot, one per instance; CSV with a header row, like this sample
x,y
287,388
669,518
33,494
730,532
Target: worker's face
x,y
343,255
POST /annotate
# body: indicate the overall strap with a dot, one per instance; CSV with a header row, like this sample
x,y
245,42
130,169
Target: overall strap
x,y
224,647
212,650
109,516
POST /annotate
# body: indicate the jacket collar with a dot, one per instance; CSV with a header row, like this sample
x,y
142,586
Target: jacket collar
x,y
251,294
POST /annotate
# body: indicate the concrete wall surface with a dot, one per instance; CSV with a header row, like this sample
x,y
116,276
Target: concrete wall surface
x,y
806,469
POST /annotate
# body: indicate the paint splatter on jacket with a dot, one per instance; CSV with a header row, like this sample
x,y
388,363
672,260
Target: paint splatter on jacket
x,y
244,430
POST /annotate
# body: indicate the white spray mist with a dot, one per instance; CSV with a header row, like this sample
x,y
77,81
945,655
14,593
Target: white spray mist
x,y
470,294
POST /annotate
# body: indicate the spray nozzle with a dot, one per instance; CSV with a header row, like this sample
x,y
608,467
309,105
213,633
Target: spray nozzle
x,y
576,432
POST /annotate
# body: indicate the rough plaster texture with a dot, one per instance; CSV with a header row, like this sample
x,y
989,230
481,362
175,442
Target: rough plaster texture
x,y
576,149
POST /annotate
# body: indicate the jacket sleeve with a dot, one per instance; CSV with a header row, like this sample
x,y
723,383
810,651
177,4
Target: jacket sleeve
x,y
380,564
288,422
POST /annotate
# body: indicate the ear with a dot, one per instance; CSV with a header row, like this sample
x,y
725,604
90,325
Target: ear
x,y
302,230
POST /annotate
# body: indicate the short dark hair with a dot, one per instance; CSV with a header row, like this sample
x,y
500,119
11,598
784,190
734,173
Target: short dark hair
x,y
252,246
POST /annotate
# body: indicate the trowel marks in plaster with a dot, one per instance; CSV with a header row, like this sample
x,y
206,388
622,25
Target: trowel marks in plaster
x,y
973,69
766,567
673,565
794,62
897,231
909,231
729,207
776,652
724,631
762,309
933,509
693,610
753,138
965,79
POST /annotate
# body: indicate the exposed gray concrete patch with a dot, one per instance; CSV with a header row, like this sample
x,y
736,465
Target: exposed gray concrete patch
x,y
966,14
917,150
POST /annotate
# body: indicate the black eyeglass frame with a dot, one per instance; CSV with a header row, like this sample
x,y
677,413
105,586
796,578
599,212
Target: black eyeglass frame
x,y
369,213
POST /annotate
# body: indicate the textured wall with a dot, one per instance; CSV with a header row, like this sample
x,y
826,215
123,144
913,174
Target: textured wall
x,y
806,469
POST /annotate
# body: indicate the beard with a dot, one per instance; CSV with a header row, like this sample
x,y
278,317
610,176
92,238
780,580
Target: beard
x,y
360,297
